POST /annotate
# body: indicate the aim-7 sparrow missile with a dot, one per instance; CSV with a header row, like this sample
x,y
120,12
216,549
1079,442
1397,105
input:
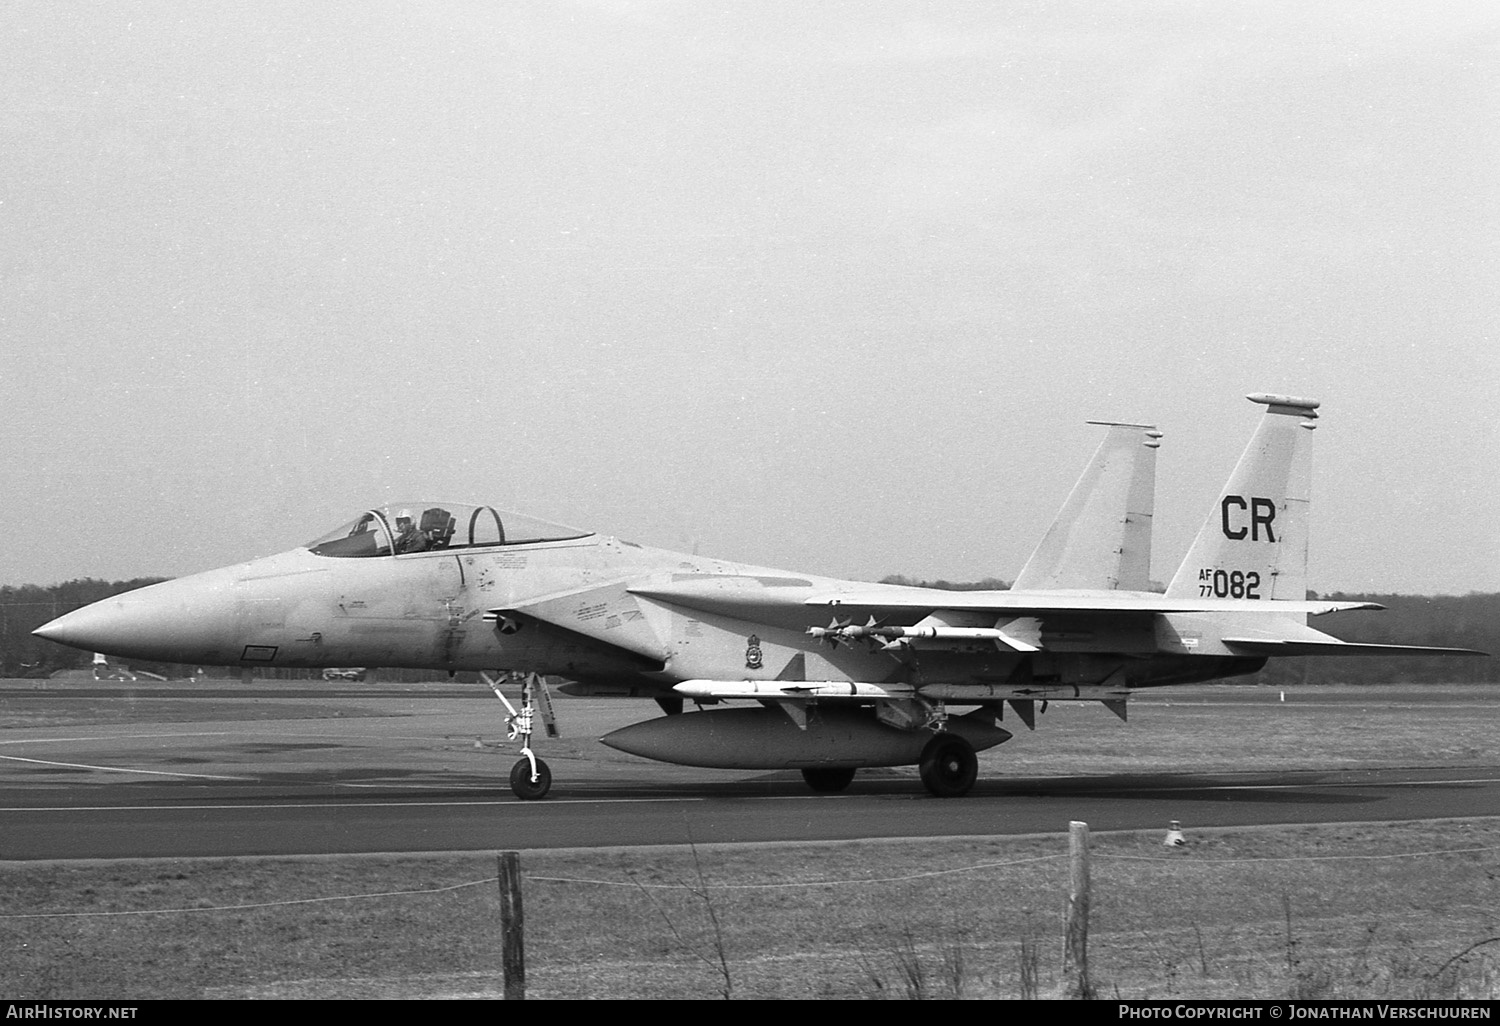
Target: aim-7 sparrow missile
x,y
894,636
757,689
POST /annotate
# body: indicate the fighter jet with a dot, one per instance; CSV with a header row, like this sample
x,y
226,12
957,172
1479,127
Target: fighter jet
x,y
782,670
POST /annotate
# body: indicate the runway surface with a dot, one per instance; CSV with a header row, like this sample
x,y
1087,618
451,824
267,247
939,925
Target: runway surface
x,y
281,770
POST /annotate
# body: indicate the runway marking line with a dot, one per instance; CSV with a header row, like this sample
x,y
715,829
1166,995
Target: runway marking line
x,y
249,734
600,801
122,769
1336,783
112,737
515,803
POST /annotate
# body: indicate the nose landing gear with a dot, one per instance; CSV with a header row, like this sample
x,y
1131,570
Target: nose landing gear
x,y
530,778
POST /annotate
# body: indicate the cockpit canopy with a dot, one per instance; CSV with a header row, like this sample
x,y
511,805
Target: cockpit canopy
x,y
404,527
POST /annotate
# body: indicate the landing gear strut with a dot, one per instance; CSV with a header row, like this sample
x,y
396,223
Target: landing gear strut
x,y
949,766
530,778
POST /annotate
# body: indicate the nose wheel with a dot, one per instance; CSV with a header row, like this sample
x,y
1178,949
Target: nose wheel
x,y
530,778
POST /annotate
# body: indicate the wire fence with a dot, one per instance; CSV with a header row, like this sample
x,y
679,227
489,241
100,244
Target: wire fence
x,y
1180,861
1296,912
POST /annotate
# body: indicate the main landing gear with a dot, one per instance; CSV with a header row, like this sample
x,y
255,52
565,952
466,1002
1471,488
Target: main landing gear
x,y
948,769
949,766
530,778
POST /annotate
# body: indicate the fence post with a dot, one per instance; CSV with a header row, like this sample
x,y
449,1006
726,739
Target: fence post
x,y
512,923
1076,965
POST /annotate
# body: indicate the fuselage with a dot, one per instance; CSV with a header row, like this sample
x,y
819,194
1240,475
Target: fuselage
x,y
579,607
421,610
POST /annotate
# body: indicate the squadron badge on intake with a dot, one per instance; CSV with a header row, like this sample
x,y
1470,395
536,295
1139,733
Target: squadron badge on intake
x,y
753,655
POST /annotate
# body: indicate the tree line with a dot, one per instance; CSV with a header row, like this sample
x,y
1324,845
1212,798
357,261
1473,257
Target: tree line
x,y
25,608
1449,621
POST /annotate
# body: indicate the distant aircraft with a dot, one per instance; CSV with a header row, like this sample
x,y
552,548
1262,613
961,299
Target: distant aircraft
x,y
832,675
104,671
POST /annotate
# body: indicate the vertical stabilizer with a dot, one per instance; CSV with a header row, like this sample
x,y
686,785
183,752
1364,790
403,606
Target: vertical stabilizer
x,y
1254,543
1101,539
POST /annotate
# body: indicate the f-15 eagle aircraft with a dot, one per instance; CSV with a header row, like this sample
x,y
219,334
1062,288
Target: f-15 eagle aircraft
x,y
831,675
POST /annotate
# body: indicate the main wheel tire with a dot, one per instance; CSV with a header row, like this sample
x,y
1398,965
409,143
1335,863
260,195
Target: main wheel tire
x,y
828,780
949,766
525,788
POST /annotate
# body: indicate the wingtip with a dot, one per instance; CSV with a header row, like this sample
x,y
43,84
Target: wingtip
x,y
1343,607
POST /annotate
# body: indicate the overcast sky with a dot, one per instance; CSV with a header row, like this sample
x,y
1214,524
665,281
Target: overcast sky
x,y
828,287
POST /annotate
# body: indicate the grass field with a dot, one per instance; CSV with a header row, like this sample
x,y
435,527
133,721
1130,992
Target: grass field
x,y
1369,910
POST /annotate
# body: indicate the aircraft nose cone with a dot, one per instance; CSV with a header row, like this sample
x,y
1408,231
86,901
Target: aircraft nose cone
x,y
120,625
168,621
81,628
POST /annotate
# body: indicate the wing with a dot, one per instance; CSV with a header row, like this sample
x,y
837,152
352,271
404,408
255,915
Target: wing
x,y
1029,621
750,597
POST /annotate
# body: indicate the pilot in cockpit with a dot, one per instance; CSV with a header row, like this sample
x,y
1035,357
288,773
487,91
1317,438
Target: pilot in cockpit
x,y
408,538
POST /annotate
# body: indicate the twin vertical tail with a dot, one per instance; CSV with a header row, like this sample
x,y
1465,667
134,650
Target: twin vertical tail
x,y
1101,539
1254,543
